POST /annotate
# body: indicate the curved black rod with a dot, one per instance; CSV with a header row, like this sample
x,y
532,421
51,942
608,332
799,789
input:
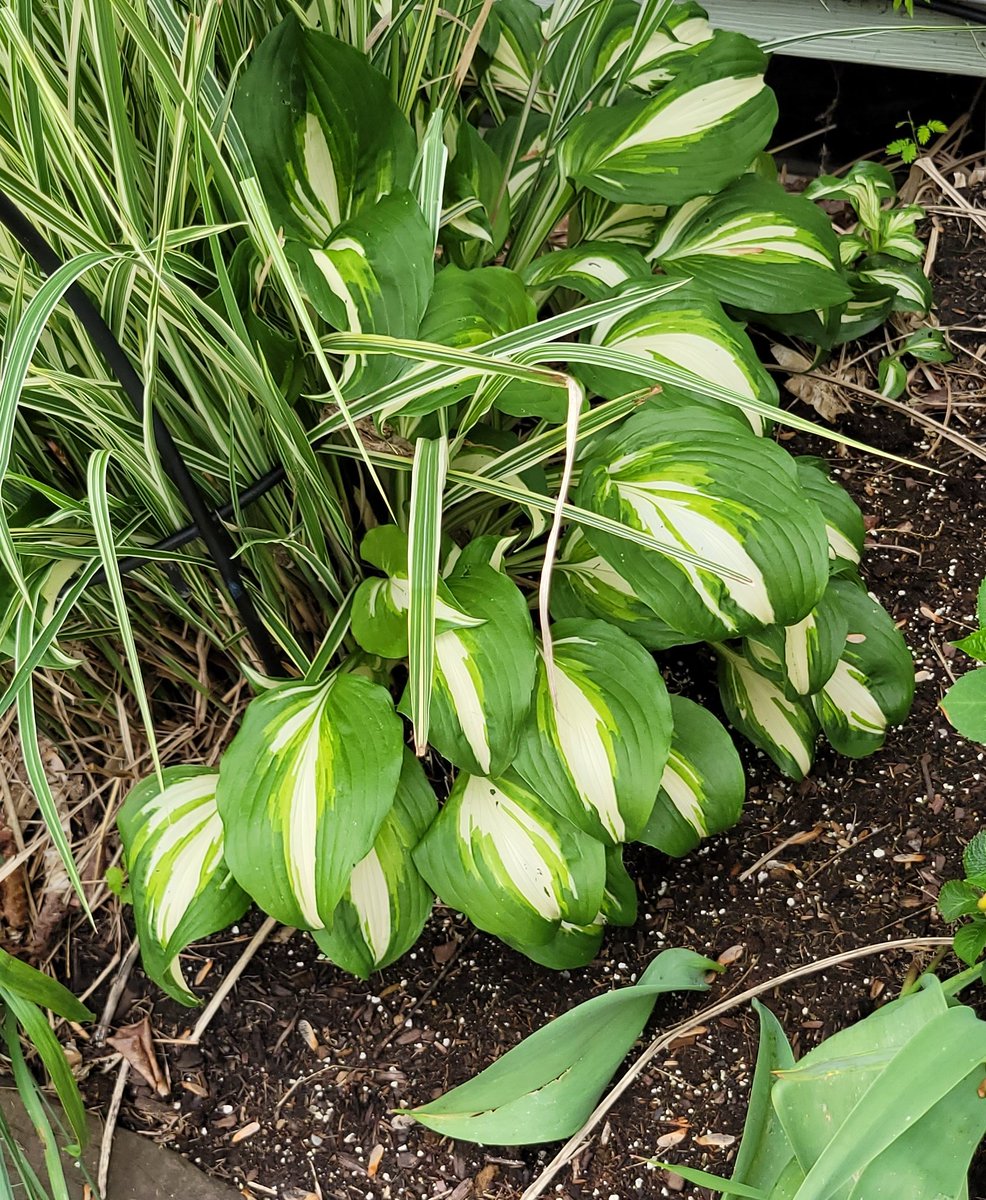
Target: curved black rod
x,y
213,532
955,8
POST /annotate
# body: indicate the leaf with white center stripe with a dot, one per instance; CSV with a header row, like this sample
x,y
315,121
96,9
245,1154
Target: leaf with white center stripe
x,y
595,749
324,134
784,729
596,219
867,186
513,34
593,269
513,865
659,59
386,904
699,480
484,672
182,888
755,246
802,657
868,309
303,790
912,288
698,133
475,234
687,328
585,585
373,275
703,785
844,527
873,684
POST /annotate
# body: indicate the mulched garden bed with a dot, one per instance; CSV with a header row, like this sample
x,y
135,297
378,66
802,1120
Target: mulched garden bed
x,y
317,1061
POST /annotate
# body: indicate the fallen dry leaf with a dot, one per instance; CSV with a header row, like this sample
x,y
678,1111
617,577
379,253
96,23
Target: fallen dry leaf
x,y
245,1132
308,1034
824,397
667,1140
374,1161
733,954
719,1140
484,1177
136,1045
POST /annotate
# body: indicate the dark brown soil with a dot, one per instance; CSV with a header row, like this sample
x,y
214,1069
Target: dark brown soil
x,y
886,831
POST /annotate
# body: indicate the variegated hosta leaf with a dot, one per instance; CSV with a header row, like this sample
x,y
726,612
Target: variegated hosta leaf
x,y
844,527
698,480
595,749
373,275
868,309
756,246
475,231
873,684
484,673
182,888
484,448
685,31
325,136
596,219
912,288
784,729
703,785
620,895
801,657
585,585
303,790
512,864
687,328
513,56
897,233
691,139
591,269
386,904
867,186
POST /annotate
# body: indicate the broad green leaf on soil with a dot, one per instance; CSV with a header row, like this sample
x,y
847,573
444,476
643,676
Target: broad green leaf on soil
x,y
698,133
703,785
484,673
974,859
595,749
965,705
475,232
303,789
514,866
802,657
844,527
585,585
970,941
30,984
755,246
784,729
659,58
373,275
543,1089
386,904
911,286
974,645
593,269
325,136
687,328
873,684
893,1109
697,479
957,899
181,886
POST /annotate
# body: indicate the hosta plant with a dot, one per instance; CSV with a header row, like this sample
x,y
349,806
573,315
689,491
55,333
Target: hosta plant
x,y
482,287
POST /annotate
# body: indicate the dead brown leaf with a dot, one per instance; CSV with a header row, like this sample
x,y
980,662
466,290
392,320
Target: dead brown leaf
x,y
732,955
667,1140
826,398
245,1132
374,1161
719,1140
484,1178
136,1045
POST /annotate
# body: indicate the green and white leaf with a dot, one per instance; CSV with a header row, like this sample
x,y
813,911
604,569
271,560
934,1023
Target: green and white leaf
x,y
703,785
304,788
784,729
512,864
844,526
801,658
384,908
873,684
755,246
867,186
696,479
892,377
516,52
593,269
597,740
596,219
698,133
684,31
912,288
477,216
685,328
181,885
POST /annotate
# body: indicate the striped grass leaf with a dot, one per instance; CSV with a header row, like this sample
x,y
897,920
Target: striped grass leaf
x,y
756,246
181,886
33,985
802,657
430,168
686,330
544,1089
844,527
596,743
484,451
911,287
483,672
386,903
872,686
477,217
694,478
703,785
513,865
303,789
323,133
697,134
593,269
784,729
585,585
424,535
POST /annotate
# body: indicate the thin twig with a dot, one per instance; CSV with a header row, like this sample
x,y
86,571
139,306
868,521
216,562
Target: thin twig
x,y
115,992
578,1140
106,1145
929,168
210,1010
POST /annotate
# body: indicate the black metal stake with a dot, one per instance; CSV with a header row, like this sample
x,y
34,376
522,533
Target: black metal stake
x,y
216,537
